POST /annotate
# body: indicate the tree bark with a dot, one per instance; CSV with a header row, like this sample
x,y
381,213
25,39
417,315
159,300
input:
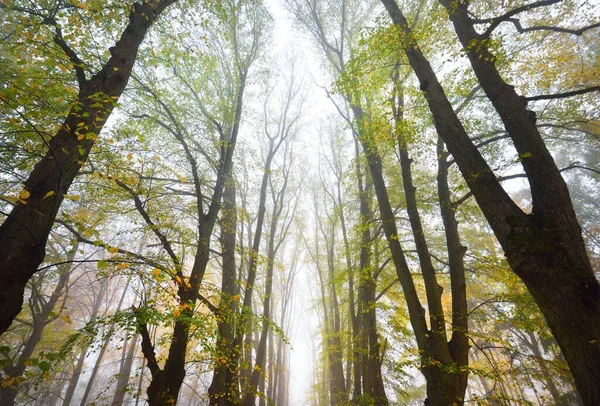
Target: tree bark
x,y
24,233
372,380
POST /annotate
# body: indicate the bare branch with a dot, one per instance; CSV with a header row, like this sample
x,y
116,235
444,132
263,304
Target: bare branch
x,y
496,21
578,31
564,94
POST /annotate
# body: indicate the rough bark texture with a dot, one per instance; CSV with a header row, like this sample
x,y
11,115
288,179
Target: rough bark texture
x,y
24,233
544,248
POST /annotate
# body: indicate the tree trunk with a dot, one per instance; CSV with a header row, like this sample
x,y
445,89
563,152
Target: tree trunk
x,y
125,373
67,400
100,357
337,387
24,233
224,388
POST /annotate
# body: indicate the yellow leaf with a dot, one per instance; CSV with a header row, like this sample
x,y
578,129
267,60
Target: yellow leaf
x,y
116,69
24,194
176,312
66,318
129,157
50,193
10,381
11,199
155,272
236,297
113,250
73,198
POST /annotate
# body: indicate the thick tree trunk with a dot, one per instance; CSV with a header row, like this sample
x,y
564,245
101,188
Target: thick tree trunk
x,y
24,233
554,252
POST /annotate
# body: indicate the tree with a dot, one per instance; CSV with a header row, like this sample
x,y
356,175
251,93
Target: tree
x,y
544,248
24,232
43,312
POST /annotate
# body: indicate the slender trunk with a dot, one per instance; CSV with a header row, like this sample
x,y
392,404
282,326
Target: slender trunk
x,y
166,383
246,310
125,373
371,366
533,343
377,389
459,341
24,233
337,387
436,359
224,388
353,367
67,400
259,368
272,366
100,357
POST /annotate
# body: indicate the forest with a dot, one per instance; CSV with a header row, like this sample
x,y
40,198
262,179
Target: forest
x,y
299,202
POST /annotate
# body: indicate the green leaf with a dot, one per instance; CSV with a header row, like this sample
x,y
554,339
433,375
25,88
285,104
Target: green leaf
x,y
44,366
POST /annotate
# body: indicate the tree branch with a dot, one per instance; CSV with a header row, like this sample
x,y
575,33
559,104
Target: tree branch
x,y
147,347
577,32
59,40
496,21
564,94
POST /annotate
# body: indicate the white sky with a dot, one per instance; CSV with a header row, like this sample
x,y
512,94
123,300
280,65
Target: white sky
x,y
305,329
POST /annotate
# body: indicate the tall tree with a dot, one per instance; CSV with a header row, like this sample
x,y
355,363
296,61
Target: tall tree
x,y
25,230
544,247
280,126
